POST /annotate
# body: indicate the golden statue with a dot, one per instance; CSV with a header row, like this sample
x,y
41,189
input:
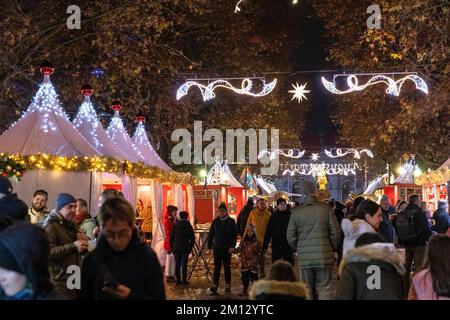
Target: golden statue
x,y
322,180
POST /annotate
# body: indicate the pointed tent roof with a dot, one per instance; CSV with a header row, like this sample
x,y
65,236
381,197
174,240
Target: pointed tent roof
x,y
220,174
266,187
91,129
45,127
141,141
407,175
118,134
377,183
248,180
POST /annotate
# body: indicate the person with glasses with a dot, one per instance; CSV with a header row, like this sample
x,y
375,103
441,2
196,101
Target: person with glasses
x,y
121,266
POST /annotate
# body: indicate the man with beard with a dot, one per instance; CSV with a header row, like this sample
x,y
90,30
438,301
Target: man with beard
x,y
38,211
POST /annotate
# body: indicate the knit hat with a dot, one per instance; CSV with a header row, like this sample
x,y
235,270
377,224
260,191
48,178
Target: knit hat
x,y
5,185
63,200
223,206
281,200
7,260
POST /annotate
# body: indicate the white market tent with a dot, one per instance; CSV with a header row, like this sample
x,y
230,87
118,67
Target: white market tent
x,y
220,174
119,136
407,175
266,187
91,129
45,128
143,144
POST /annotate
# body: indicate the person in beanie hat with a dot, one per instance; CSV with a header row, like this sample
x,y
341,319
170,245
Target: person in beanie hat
x,y
38,211
24,275
243,216
66,244
276,232
10,205
222,239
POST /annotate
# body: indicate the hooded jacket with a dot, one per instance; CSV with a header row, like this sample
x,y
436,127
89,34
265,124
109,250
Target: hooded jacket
x,y
352,230
12,207
61,235
28,245
136,267
442,221
243,216
357,271
314,232
278,290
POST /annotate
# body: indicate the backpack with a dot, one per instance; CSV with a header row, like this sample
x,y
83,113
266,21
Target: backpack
x,y
406,229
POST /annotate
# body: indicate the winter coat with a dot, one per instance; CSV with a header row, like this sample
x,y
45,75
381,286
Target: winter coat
x,y
442,221
278,290
314,232
61,235
386,227
352,230
249,249
28,245
243,217
37,218
147,220
423,231
422,287
276,231
355,273
260,219
13,208
182,237
222,234
136,267
168,225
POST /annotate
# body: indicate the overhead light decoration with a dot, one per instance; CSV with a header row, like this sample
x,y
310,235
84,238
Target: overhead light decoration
x,y
237,9
393,86
208,90
315,157
291,153
339,153
313,169
299,92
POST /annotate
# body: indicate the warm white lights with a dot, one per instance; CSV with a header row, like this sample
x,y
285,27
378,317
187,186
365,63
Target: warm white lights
x,y
299,92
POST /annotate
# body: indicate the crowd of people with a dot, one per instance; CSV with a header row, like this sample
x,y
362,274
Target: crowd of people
x,y
319,250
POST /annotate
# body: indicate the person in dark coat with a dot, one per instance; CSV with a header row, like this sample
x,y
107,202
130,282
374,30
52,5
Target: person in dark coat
x,y
121,266
441,218
280,284
386,226
10,205
222,239
276,232
243,216
358,266
182,240
24,255
66,245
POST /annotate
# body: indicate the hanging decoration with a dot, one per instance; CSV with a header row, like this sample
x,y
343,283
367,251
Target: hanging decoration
x,y
313,169
339,153
20,163
208,90
315,156
299,92
393,86
237,9
291,153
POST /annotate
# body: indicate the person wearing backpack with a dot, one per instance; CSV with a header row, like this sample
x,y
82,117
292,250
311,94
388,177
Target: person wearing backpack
x,y
413,233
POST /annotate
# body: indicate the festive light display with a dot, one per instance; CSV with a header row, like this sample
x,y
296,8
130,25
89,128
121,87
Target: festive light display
x,y
118,134
237,9
11,168
315,157
220,174
394,87
299,92
315,168
97,164
338,152
291,153
208,91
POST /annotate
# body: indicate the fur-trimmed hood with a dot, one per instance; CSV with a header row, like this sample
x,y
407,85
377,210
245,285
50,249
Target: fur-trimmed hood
x,y
385,252
280,290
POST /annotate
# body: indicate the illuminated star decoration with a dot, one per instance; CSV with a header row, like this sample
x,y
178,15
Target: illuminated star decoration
x,y
299,92
315,157
394,87
208,91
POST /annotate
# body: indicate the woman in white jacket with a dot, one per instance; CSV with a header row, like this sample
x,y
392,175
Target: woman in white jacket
x,y
367,219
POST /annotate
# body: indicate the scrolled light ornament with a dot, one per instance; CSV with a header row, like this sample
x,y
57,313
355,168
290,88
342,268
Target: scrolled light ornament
x,y
291,153
339,153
